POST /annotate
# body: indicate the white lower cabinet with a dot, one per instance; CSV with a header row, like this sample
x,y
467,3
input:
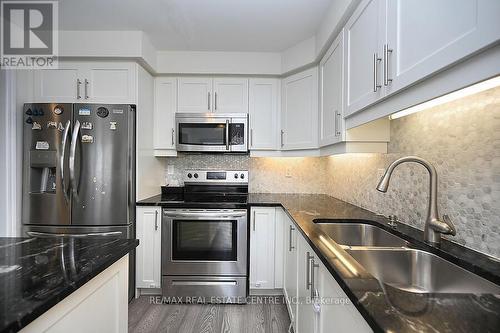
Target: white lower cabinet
x,y
148,258
337,310
265,247
306,282
290,268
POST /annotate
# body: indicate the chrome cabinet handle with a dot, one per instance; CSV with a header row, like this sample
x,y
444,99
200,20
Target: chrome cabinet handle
x,y
376,60
387,51
173,135
209,101
251,137
227,134
290,246
72,153
63,157
253,221
338,124
281,138
312,267
215,101
308,270
86,89
156,220
78,84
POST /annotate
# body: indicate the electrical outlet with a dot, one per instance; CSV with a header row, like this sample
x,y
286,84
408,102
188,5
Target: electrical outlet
x,y
380,173
288,172
170,169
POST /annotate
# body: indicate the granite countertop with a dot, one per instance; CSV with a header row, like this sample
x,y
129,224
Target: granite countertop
x,y
387,309
37,273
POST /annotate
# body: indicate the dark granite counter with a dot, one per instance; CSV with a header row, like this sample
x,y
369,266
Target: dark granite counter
x,y
37,273
387,309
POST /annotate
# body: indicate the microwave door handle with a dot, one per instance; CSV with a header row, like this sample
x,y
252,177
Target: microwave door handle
x,y
227,134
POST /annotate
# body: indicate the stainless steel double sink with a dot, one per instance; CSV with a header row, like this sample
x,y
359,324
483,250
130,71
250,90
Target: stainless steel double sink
x,y
388,258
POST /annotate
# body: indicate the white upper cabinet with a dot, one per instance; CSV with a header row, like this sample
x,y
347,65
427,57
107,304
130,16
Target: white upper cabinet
x,y
194,94
331,93
63,85
87,82
110,82
164,115
299,111
230,95
262,247
427,35
364,31
263,113
206,94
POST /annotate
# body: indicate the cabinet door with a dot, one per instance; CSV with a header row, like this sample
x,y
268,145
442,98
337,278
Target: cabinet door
x,y
148,260
290,269
331,93
194,94
110,82
306,316
263,113
337,310
230,95
262,234
300,111
62,85
364,32
279,247
164,116
426,35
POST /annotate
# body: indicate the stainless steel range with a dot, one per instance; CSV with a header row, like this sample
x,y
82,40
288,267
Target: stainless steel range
x,y
204,244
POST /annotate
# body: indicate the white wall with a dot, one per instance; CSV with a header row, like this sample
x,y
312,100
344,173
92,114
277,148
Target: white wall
x,y
150,170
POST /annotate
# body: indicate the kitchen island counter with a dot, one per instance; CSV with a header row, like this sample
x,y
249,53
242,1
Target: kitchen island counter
x,y
38,273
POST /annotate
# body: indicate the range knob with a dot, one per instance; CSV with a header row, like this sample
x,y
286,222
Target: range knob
x,y
29,120
236,176
195,175
29,112
190,175
242,176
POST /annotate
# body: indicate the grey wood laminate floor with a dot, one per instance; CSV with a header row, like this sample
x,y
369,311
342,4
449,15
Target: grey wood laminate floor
x,y
206,318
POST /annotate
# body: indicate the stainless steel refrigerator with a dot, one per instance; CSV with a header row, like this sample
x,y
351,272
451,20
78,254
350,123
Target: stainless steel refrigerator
x,y
79,170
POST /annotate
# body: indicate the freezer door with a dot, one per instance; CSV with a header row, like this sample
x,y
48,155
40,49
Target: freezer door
x,y
102,164
46,194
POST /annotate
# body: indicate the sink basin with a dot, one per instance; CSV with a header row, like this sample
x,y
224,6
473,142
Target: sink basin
x,y
421,272
359,234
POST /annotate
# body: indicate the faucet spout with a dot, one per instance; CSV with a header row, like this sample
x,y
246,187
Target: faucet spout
x,y
434,227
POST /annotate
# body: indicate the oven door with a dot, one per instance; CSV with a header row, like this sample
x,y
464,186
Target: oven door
x,y
204,242
208,134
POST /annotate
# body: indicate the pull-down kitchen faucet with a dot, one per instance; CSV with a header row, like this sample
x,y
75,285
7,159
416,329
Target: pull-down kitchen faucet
x,y
434,227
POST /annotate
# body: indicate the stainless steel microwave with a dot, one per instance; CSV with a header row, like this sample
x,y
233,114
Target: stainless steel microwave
x,y
212,132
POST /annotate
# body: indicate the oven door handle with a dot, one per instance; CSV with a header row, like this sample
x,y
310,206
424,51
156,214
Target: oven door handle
x,y
203,215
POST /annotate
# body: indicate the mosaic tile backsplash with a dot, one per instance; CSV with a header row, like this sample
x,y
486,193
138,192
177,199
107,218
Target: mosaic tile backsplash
x,y
461,139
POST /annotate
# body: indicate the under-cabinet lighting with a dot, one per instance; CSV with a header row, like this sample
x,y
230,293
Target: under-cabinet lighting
x,y
467,91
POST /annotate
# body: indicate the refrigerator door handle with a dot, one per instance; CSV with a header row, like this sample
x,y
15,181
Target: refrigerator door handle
x,y
72,153
61,161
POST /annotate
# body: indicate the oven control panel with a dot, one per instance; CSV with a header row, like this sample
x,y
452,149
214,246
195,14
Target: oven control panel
x,y
216,176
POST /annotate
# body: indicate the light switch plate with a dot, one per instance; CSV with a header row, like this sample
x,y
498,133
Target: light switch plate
x,y
170,169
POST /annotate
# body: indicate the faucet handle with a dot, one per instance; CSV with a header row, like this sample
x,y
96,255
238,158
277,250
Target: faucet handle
x,y
447,220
